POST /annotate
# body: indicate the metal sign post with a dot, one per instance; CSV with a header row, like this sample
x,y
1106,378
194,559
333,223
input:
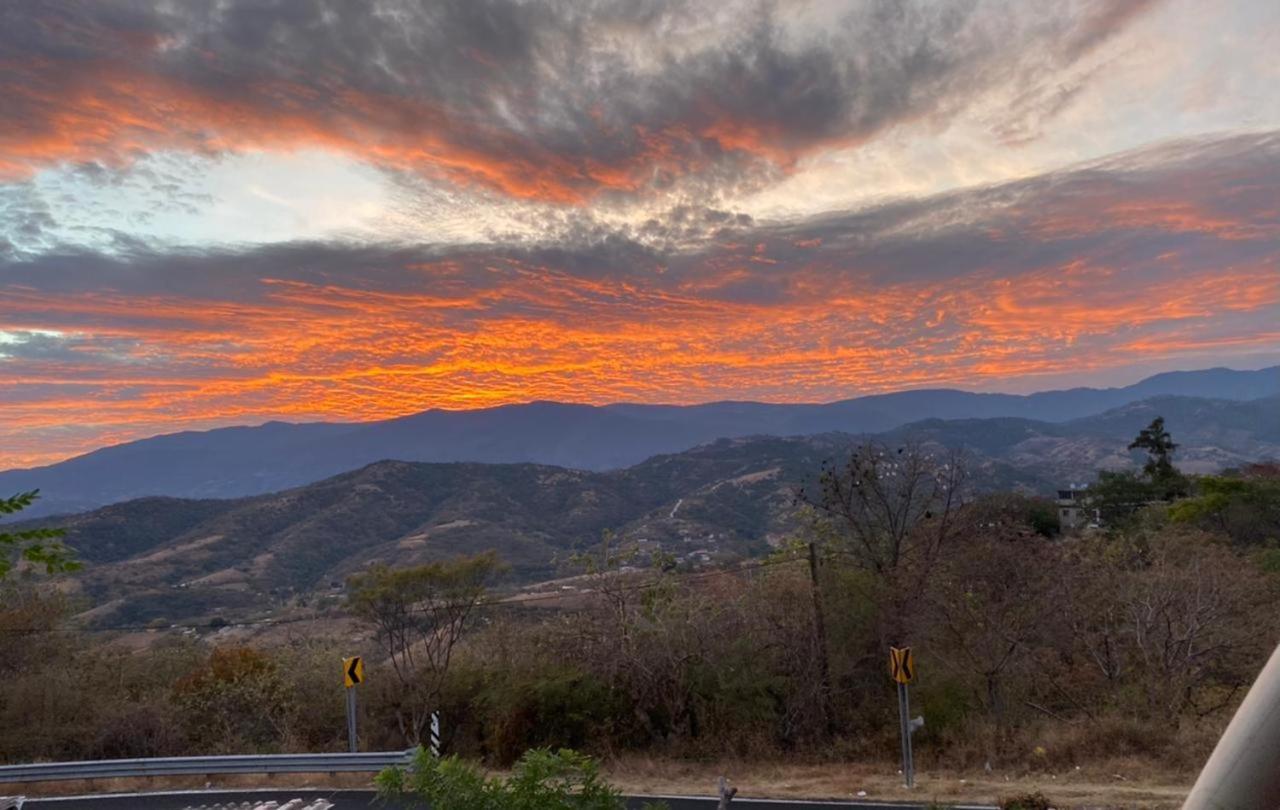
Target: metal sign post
x,y
902,668
904,711
352,675
351,720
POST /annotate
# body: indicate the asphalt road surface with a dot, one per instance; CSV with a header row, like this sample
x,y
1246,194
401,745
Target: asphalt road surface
x,y
351,799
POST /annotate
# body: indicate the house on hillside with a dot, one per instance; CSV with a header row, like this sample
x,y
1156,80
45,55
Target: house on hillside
x,y
1073,513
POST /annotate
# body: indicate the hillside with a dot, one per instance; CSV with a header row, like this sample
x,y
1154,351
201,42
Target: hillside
x,y
240,461
181,558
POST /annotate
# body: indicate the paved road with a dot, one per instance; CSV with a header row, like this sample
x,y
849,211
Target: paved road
x,y
351,799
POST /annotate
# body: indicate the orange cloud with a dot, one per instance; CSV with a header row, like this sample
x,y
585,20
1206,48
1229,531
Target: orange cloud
x,y
306,351
1078,272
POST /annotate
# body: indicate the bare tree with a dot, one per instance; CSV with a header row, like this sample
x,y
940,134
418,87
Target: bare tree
x,y
419,615
993,600
891,504
890,510
1177,618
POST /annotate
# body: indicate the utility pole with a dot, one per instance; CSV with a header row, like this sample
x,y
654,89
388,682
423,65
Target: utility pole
x,y
820,633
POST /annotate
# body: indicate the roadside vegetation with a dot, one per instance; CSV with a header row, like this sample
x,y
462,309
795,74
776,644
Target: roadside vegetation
x,y
540,780
1036,649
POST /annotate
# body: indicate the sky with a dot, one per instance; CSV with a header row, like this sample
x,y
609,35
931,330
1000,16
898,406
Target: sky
x,y
234,211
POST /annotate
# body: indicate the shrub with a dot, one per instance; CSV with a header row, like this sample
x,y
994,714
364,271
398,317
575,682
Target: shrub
x,y
236,701
1027,801
541,780
138,731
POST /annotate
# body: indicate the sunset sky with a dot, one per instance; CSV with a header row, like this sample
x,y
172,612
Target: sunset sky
x,y
220,213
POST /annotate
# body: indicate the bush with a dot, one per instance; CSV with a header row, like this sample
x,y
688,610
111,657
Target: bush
x,y
235,702
137,731
1027,801
557,709
541,780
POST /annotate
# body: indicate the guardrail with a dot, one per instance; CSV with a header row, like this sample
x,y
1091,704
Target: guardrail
x,y
200,766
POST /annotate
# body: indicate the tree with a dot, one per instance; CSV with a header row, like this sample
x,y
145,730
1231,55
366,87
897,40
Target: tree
x,y
39,546
994,598
1159,445
236,700
890,512
1168,482
890,504
419,615
646,637
1174,619
1120,496
1244,507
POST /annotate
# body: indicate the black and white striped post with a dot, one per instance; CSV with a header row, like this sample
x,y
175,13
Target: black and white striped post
x,y
435,734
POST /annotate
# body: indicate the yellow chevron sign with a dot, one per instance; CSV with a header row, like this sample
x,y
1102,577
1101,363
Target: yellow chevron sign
x,y
352,671
902,664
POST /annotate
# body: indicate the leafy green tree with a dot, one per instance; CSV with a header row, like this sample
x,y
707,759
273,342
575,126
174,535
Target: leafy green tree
x,y
1244,508
40,547
1120,496
418,615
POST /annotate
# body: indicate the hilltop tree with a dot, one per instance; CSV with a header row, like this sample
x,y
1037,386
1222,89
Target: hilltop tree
x,y
40,547
1119,496
419,615
1159,445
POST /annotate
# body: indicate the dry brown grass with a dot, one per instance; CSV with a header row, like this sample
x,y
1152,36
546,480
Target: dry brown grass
x,y
1120,783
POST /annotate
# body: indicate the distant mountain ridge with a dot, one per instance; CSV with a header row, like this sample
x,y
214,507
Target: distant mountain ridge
x,y
239,461
727,499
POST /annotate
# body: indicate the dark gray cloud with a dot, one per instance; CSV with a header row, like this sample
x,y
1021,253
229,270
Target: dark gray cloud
x,y
1210,202
557,100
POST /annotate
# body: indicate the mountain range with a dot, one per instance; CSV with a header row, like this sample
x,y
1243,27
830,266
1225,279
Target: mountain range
x,y
240,461
178,558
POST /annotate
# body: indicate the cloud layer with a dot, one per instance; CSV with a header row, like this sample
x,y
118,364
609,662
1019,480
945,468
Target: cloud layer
x,y
1165,253
559,102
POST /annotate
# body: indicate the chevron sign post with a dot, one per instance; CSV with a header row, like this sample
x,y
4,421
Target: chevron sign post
x,y
352,676
902,669
435,734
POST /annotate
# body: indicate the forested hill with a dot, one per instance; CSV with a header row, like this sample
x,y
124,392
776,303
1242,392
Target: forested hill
x,y
174,558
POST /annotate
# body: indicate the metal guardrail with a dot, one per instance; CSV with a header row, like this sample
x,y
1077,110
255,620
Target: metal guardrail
x,y
199,766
